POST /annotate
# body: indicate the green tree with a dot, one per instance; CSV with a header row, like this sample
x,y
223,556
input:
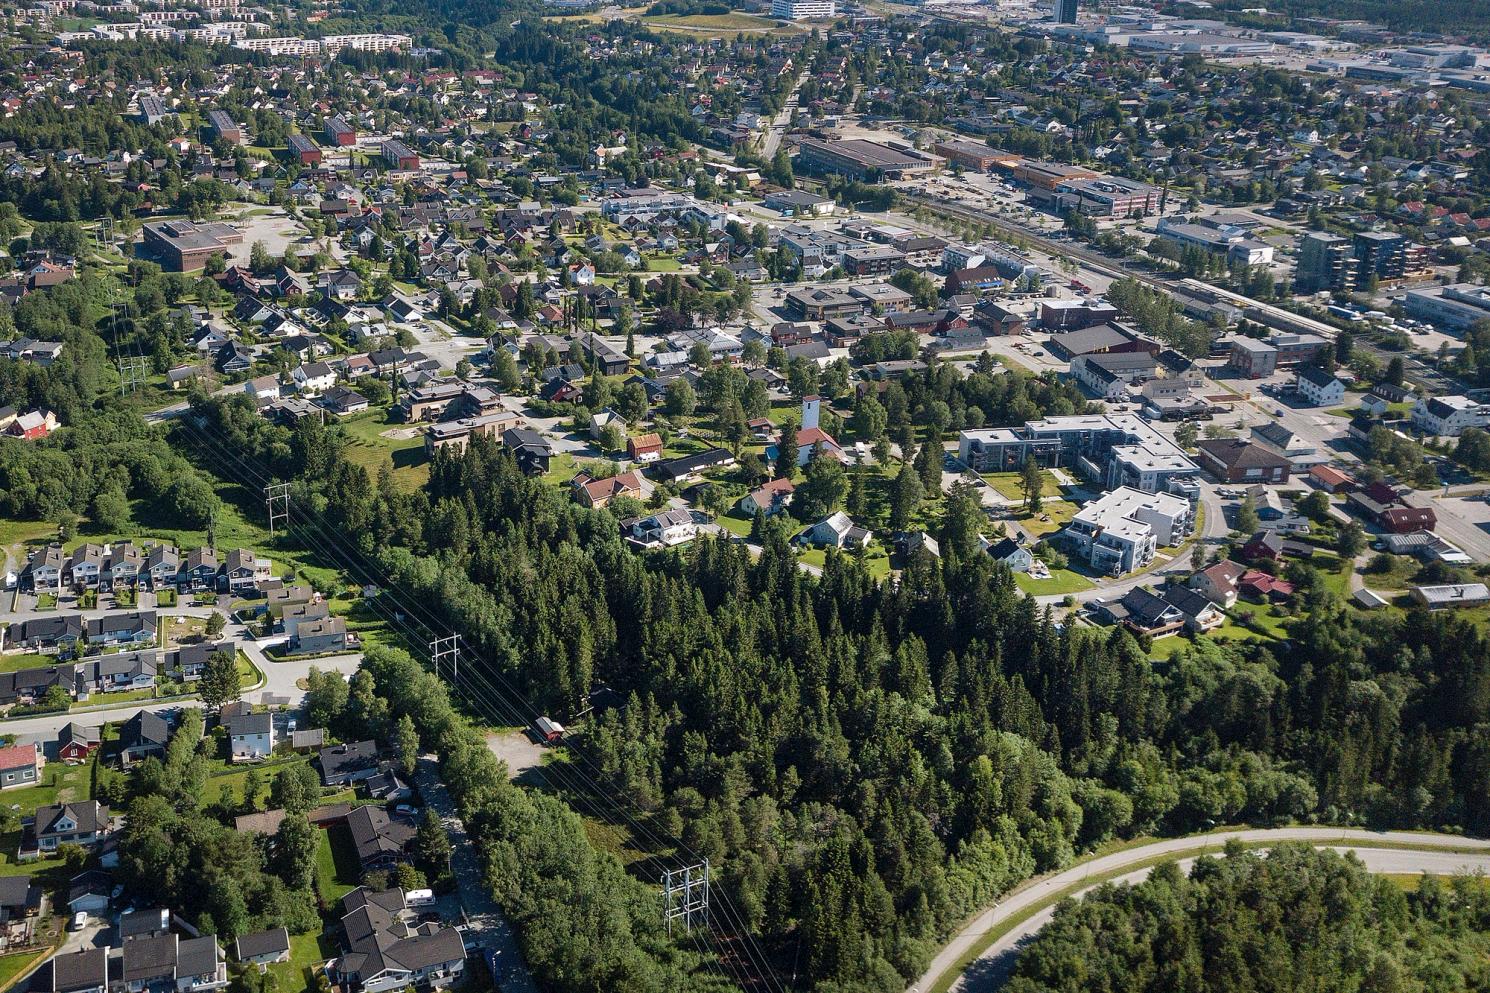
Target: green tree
x,y
1246,515
787,453
406,744
218,684
1031,483
906,498
1350,540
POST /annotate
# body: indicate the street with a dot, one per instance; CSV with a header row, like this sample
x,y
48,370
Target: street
x,y
487,927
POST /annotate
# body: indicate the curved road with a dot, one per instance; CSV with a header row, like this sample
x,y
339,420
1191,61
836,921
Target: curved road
x,y
989,970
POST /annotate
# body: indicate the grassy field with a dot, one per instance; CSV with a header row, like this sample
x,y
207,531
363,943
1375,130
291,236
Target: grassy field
x,y
307,951
12,966
1058,512
369,448
1007,485
59,784
25,660
719,25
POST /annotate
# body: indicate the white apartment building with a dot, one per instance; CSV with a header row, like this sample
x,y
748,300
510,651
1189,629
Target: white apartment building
x,y
801,10
1120,532
1447,417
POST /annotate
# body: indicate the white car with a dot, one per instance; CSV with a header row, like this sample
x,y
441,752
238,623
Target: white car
x,y
79,921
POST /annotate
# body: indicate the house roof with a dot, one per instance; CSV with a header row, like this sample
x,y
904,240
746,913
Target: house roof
x,y
1316,376
1234,453
17,756
275,941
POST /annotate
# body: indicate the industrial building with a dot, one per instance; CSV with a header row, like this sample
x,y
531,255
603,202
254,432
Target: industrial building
x,y
972,155
862,159
1451,308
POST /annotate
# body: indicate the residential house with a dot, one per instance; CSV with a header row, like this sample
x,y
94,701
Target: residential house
x,y
83,823
250,737
600,492
326,634
134,628
385,947
1017,557
143,735
171,962
769,499
837,530
244,569
663,529
1271,546
1218,583
76,743
343,765
1319,388
529,449
687,468
263,948
85,971
1388,508
20,765
381,841
1144,612
1201,614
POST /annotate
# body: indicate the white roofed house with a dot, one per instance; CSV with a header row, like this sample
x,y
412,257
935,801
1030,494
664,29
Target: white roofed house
x,y
837,530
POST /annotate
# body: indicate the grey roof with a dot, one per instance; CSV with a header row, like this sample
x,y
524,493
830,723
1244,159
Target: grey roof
x,y
150,958
198,956
274,941
80,970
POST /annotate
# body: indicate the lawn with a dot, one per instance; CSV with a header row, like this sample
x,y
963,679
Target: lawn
x,y
561,468
1008,485
370,448
1061,581
1057,512
713,22
59,784
337,872
25,660
307,952
12,966
735,523
233,777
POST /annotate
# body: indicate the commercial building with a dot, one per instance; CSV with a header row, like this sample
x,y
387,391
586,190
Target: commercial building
x,y
1103,196
1107,376
822,303
862,159
304,151
972,155
1232,460
1120,532
224,127
873,260
1450,308
1234,243
1048,175
184,246
801,10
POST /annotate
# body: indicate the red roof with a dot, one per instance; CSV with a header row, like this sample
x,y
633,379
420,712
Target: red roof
x,y
17,756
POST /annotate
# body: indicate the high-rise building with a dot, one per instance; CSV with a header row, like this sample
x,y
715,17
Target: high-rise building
x,y
801,10
1385,255
1324,263
1065,11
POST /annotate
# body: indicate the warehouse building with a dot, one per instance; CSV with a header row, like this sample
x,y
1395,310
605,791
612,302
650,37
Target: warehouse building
x,y
862,159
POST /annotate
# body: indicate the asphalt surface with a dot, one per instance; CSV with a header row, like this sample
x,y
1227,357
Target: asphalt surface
x,y
487,927
991,968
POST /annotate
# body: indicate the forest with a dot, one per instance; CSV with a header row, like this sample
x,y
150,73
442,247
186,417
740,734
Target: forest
x,y
1291,919
867,763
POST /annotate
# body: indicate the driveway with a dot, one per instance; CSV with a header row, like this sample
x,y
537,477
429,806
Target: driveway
x,y
487,928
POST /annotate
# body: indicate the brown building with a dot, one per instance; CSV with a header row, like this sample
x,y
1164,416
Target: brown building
x,y
1232,460
184,246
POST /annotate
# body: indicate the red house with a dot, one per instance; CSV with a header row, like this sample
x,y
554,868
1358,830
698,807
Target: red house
x,y
76,743
550,730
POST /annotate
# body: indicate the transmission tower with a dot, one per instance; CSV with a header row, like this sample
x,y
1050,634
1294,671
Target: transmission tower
x,y
685,895
277,500
446,649
132,372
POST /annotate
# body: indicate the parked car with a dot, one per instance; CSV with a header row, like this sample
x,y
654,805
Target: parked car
x,y
79,921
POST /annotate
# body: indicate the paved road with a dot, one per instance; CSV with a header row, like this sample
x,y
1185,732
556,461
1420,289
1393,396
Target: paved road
x,y
487,925
993,966
779,123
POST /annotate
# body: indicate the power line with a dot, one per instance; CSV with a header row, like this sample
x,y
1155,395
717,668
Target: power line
x,y
585,794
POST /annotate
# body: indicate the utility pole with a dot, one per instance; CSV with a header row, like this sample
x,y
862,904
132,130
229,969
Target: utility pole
x,y
686,896
447,647
277,500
